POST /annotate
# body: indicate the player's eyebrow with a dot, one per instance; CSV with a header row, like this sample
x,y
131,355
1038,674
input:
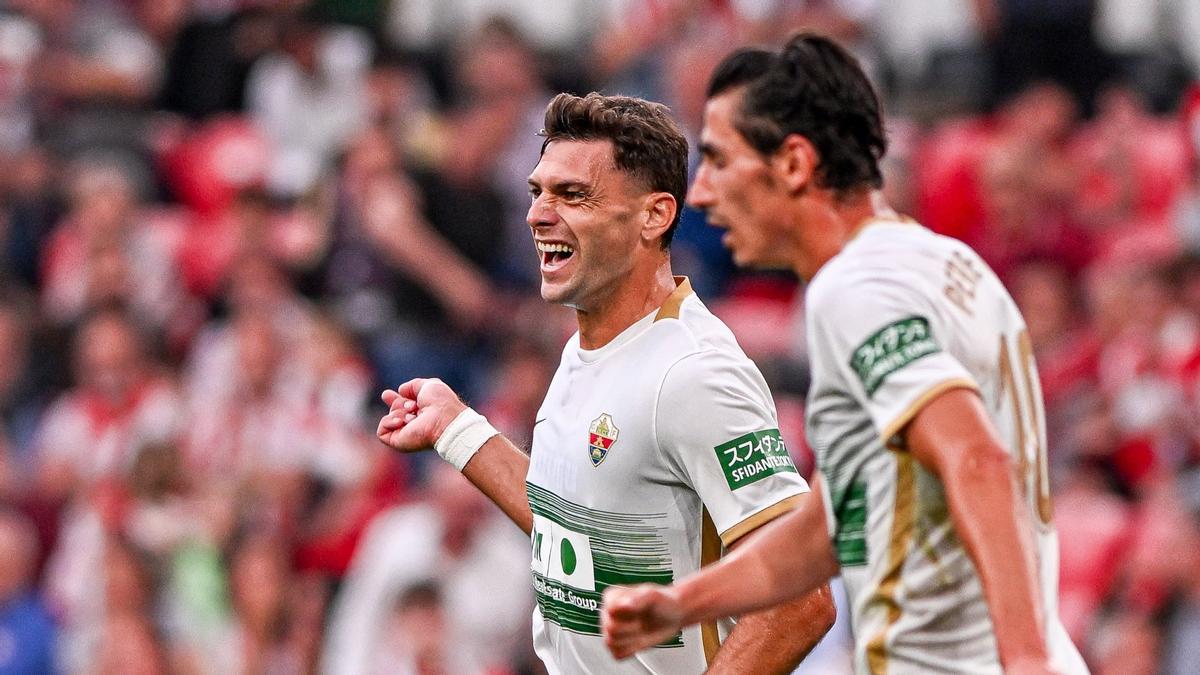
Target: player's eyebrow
x,y
561,186
708,149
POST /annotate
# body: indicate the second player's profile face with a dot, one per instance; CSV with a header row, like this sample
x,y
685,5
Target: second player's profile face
x,y
737,189
582,217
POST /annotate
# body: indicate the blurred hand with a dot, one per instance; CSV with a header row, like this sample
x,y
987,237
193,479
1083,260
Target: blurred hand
x,y
419,411
391,211
634,618
470,302
391,217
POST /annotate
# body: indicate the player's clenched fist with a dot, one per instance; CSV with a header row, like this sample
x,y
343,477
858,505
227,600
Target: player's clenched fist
x,y
418,413
634,618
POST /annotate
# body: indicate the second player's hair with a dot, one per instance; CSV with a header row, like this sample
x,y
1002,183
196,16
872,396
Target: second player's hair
x,y
647,144
815,88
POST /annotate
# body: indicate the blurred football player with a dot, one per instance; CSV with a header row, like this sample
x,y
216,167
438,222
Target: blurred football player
x,y
924,410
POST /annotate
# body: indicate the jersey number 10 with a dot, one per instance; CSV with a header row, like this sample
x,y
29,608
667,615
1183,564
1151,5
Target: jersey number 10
x,y
1028,423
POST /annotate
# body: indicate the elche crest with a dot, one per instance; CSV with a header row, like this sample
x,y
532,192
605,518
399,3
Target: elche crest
x,y
601,435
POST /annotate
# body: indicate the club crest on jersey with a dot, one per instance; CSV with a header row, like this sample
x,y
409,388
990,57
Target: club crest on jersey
x,y
601,436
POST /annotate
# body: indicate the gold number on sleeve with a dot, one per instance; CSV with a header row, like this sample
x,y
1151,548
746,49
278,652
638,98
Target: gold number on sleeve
x,y
1028,423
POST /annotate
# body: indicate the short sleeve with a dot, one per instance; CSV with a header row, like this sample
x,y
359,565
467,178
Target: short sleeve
x,y
885,343
717,426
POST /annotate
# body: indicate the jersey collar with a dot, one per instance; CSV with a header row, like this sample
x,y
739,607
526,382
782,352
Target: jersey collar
x,y
670,307
668,310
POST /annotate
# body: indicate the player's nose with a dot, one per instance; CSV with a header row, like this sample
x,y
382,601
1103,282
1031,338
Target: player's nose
x,y
540,213
700,196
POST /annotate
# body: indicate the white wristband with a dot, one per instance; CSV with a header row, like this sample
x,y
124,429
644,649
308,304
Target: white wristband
x,y
463,438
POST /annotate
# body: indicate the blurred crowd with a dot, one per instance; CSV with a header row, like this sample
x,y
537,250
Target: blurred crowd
x,y
226,225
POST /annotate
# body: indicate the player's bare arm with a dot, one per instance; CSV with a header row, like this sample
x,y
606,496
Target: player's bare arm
x,y
761,573
419,413
953,438
776,640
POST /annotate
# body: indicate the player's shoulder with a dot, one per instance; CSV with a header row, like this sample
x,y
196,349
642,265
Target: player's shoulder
x,y
886,260
703,347
902,245
687,325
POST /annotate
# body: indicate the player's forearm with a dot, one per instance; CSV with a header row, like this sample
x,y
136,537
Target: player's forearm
x,y
988,516
784,560
775,640
499,469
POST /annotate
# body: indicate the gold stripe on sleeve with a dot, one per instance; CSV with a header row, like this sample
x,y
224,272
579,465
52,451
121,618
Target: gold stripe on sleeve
x,y
670,308
903,519
761,518
923,400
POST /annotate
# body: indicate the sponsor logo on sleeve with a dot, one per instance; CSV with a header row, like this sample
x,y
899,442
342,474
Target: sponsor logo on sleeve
x,y
891,348
750,458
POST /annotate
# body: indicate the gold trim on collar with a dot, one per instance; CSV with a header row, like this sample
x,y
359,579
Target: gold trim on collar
x,y
670,308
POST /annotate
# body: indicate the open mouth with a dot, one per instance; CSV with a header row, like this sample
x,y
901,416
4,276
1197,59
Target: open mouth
x,y
554,255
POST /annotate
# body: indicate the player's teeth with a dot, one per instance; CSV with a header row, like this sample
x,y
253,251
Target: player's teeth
x,y
553,248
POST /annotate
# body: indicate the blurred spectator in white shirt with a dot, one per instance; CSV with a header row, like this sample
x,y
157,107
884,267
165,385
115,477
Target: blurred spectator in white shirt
x,y
120,403
457,540
110,248
309,98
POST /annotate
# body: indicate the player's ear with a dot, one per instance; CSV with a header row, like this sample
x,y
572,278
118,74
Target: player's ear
x,y
796,162
657,215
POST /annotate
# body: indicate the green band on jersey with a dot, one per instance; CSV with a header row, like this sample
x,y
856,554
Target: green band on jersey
x,y
578,552
850,507
750,458
891,348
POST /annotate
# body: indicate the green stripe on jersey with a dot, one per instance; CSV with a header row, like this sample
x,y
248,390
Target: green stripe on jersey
x,y
850,542
578,552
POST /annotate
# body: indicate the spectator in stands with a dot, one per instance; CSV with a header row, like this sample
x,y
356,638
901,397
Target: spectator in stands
x,y
309,97
498,69
27,631
415,638
1133,169
120,402
22,45
107,249
108,623
408,251
19,395
30,206
1182,629
458,540
265,633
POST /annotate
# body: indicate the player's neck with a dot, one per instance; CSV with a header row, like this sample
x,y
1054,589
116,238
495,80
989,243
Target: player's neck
x,y
835,221
634,297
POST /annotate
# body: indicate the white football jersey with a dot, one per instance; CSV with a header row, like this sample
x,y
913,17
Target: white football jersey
x,y
649,454
898,317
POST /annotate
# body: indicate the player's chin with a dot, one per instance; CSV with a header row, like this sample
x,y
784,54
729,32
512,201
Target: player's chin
x,y
556,291
742,254
755,255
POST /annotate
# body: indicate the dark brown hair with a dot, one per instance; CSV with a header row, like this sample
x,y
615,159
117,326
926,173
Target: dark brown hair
x,y
647,144
815,88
